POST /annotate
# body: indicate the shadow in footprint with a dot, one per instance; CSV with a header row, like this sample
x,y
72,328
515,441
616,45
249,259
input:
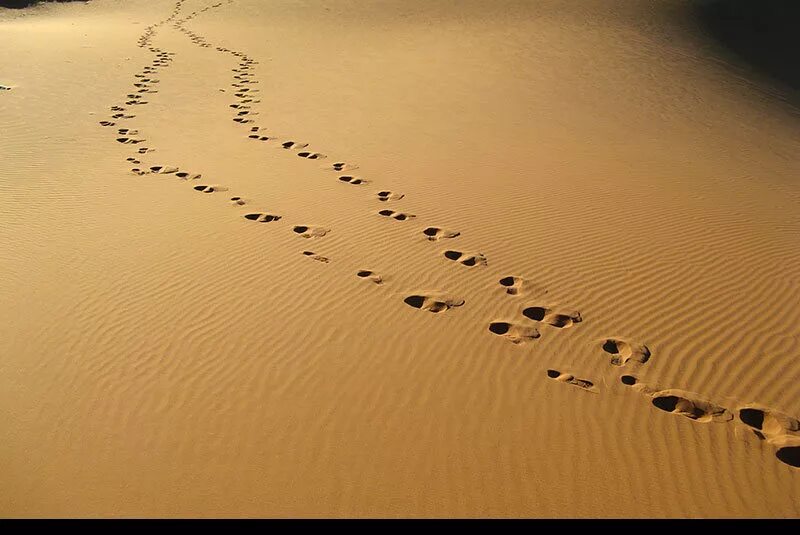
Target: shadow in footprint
x,y
399,216
514,332
433,302
467,259
623,351
310,232
436,233
555,319
370,275
570,379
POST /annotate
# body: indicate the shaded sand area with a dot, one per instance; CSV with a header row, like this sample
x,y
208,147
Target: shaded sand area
x,y
301,258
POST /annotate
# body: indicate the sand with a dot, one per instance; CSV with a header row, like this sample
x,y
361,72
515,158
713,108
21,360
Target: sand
x,y
394,259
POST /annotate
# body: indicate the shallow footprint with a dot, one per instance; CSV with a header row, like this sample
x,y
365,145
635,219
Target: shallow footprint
x,y
400,216
209,189
555,319
370,275
623,351
237,201
128,140
571,380
384,196
293,145
262,217
467,259
310,232
434,302
183,175
514,332
436,233
315,256
353,180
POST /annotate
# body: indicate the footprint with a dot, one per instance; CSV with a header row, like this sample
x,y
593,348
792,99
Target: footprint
x,y
396,215
384,196
293,145
312,155
237,201
571,380
209,189
315,256
137,171
512,285
466,259
262,217
514,332
622,351
690,405
353,180
788,450
163,169
369,275
144,150
767,423
127,132
132,160
122,116
341,166
436,233
107,123
188,176
555,319
680,402
435,302
310,232
129,141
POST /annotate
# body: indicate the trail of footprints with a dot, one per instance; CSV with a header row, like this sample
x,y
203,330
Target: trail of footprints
x,y
534,319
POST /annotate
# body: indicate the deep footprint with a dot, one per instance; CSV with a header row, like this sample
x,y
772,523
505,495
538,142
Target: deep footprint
x,y
436,233
623,351
353,180
399,216
467,259
434,302
209,189
385,196
262,217
556,319
310,232
516,333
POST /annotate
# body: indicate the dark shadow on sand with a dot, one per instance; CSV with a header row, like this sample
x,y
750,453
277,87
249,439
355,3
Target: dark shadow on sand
x,y
765,34
19,4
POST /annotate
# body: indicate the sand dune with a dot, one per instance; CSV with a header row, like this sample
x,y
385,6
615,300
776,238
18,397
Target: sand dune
x,y
394,259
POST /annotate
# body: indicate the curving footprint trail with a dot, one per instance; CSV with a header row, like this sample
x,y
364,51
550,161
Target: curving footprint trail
x,y
776,429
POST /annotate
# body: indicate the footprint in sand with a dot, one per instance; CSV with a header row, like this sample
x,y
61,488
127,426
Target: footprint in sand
x,y
312,155
237,201
262,217
183,175
516,333
341,166
369,275
209,188
466,259
624,351
107,123
137,171
355,181
767,423
434,302
681,402
242,120
570,379
132,160
436,233
129,141
400,216
122,116
788,450
556,319
512,284
310,232
163,169
127,132
315,256
384,196
293,145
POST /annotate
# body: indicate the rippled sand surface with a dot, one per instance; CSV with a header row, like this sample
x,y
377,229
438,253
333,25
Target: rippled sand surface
x,y
304,258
